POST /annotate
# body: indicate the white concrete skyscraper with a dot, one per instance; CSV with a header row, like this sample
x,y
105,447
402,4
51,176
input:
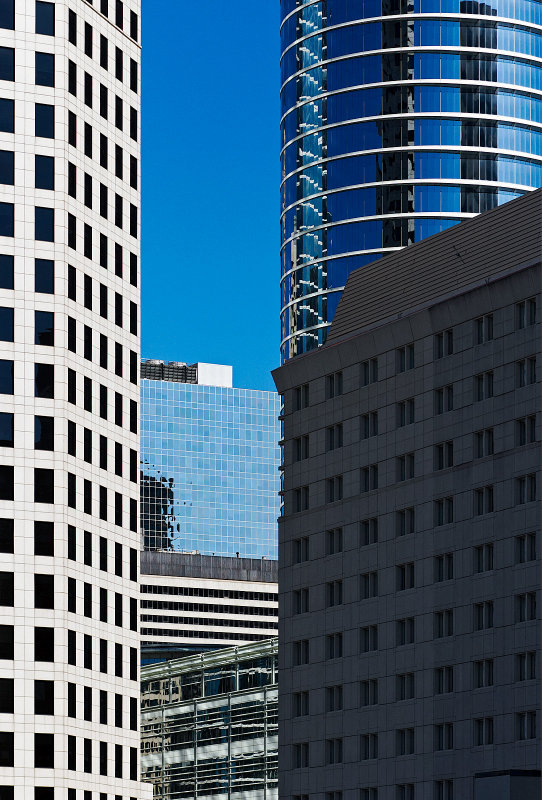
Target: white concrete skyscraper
x,y
69,331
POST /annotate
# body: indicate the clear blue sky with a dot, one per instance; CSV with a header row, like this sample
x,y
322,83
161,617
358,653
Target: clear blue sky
x,y
210,185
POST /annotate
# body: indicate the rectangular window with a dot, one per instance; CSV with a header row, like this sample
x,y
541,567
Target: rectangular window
x,y
44,119
405,521
444,455
369,692
404,358
483,615
525,548
483,500
444,736
334,385
525,666
45,69
444,567
334,698
334,437
300,550
526,725
334,645
369,371
7,14
334,489
526,430
369,585
443,680
405,576
301,397
405,467
444,343
443,623
443,511
483,557
334,541
369,425
369,746
525,489
525,607
7,64
444,399
369,478
368,639
483,673
483,329
526,313
405,412
525,372
368,529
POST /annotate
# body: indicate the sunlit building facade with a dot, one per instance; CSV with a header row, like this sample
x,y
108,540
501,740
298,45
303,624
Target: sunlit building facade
x,y
209,462
209,725
398,120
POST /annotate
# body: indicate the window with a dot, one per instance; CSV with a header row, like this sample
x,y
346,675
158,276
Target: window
x,y
369,746
444,399
118,113
483,557
301,448
7,167
443,790
368,529
44,640
370,793
6,749
87,84
443,680
484,443
405,412
6,588
525,666
444,567
526,313
483,731
7,642
525,489
44,433
483,501
526,725
301,755
334,437
44,700
334,489
334,541
133,25
301,397
334,698
404,741
72,129
483,615
526,430
405,576
483,329
300,704
104,52
334,385
300,601
7,116
45,18
368,639
444,736
369,692
88,140
44,591
369,478
6,219
369,371
405,467
44,224
7,64
525,546
6,535
444,343
7,14
44,328
525,372
45,69
301,499
300,652
334,751
87,192
443,511
404,358
334,645
405,631
334,593
6,482
443,623
483,386
369,585
525,606
44,276
301,550
404,686
405,521
444,455
369,425
483,673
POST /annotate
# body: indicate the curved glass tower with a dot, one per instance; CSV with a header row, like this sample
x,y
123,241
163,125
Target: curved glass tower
x,y
399,119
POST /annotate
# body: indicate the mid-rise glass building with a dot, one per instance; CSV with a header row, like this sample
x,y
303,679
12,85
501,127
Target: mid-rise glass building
x,y
209,462
398,120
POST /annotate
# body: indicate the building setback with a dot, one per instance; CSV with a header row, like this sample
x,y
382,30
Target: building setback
x,y
409,548
69,320
209,724
398,120
209,462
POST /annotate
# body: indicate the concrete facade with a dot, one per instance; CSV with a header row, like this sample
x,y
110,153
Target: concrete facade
x,y
409,548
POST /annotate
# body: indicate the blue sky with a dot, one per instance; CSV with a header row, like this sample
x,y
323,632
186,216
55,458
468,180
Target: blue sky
x,y
210,185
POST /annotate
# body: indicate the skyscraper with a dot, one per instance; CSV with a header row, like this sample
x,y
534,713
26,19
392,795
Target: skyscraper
x,y
69,308
409,603
398,120
209,462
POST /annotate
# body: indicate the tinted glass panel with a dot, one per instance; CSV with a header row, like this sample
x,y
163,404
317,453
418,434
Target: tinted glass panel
x,y
7,64
45,69
44,380
44,543
6,429
6,219
6,271
6,588
7,115
7,14
6,324
45,121
45,172
6,641
6,536
43,486
45,328
44,276
44,433
44,224
45,18
6,376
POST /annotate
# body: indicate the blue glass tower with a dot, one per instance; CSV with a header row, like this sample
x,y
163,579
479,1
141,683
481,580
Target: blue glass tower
x,y
399,119
209,462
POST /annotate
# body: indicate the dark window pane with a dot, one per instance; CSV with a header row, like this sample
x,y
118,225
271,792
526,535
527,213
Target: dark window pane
x,y
6,749
6,219
44,591
6,429
43,486
45,69
44,697
7,115
6,535
6,696
6,324
45,18
6,642
6,272
6,376
44,275
44,750
45,328
6,482
44,433
45,172
133,25
7,14
44,539
44,380
44,644
6,588
7,64
44,793
45,224
6,167
45,121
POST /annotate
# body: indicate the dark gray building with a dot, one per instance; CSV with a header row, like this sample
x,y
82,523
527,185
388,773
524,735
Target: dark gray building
x,y
409,547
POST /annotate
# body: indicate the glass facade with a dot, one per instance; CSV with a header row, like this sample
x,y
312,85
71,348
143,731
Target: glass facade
x,y
209,725
398,120
209,469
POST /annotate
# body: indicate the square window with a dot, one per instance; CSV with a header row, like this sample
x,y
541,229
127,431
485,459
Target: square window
x,y
44,172
44,275
45,69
